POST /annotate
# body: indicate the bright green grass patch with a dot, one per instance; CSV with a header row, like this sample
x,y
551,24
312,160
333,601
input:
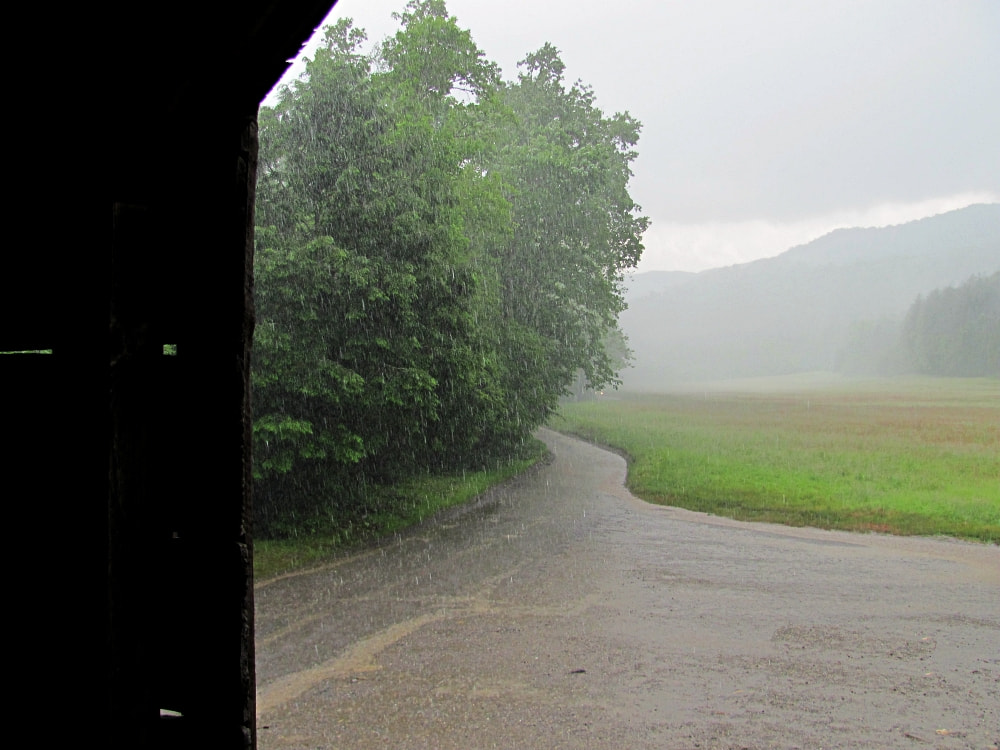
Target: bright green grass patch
x,y
386,510
903,456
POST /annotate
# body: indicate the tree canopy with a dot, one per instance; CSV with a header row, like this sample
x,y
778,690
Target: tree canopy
x,y
955,331
439,256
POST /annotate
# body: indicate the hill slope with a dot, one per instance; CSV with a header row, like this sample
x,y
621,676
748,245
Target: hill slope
x,y
792,313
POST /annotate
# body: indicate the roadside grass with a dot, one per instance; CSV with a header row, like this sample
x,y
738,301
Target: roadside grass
x,y
901,456
385,510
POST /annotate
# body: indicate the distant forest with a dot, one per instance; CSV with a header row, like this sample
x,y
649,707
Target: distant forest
x,y
953,331
920,297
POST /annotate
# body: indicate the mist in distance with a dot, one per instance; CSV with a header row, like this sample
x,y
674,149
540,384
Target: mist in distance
x,y
918,298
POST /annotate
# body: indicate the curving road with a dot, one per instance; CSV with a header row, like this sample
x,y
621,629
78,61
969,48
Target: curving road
x,y
560,612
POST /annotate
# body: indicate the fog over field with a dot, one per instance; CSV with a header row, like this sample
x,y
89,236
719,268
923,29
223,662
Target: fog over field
x,y
844,302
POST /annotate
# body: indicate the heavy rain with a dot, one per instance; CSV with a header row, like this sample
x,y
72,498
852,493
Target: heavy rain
x,y
469,276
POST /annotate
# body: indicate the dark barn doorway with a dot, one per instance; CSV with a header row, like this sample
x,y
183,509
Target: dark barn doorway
x,y
127,316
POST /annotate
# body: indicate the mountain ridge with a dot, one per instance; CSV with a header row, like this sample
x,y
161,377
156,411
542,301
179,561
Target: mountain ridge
x,y
793,312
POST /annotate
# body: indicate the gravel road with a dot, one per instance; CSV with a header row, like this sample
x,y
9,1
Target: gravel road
x,y
560,612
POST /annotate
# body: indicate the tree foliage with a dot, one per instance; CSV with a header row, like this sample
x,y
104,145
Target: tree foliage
x,y
950,332
955,331
438,254
575,231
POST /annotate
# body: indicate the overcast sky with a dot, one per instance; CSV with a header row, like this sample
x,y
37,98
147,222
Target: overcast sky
x,y
767,123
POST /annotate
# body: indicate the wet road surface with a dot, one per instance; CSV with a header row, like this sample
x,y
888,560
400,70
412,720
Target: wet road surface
x,y
560,612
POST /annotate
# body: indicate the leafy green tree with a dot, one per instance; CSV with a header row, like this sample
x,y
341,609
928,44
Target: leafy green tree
x,y
438,255
436,58
439,79
365,297
576,230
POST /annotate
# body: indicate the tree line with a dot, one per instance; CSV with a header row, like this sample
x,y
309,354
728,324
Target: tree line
x,y
439,257
951,332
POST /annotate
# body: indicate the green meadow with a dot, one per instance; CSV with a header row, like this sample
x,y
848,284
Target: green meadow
x,y
900,456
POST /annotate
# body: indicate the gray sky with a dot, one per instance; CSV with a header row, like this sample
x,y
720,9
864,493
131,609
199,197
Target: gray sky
x,y
767,123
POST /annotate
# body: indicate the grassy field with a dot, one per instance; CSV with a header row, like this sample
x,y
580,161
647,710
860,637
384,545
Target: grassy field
x,y
902,456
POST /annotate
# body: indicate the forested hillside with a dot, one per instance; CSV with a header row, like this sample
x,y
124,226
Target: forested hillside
x,y
837,303
439,253
955,331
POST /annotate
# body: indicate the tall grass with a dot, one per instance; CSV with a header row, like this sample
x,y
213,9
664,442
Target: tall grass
x,y
908,456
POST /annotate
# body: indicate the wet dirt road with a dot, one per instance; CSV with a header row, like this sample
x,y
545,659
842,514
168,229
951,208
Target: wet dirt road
x,y
560,612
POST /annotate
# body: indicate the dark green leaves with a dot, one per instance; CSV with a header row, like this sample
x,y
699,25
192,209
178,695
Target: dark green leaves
x,y
438,256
